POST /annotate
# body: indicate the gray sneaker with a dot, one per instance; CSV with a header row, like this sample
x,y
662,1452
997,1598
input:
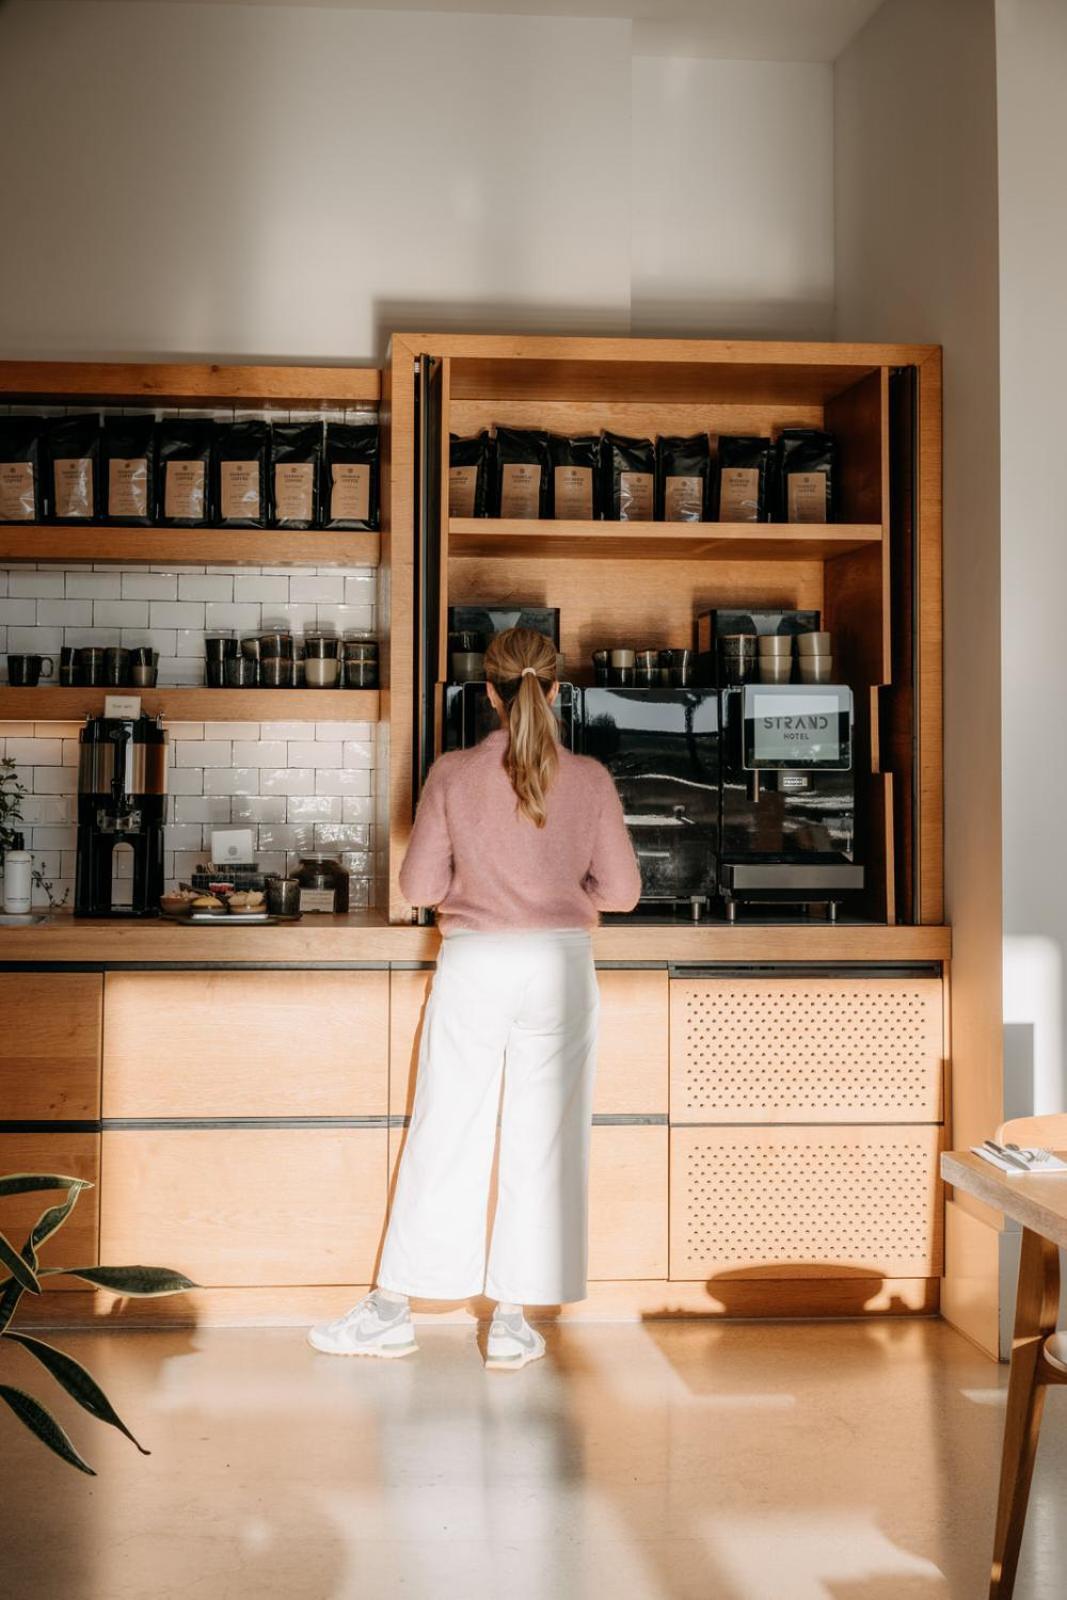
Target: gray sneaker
x,y
512,1343
374,1327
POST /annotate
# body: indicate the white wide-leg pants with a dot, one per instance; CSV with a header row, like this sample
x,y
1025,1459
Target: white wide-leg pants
x,y
522,1007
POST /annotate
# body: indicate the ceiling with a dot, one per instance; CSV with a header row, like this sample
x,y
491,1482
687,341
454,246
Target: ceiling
x,y
756,30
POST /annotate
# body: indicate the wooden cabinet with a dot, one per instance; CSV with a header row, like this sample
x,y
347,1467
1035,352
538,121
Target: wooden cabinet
x,y
248,1206
257,1044
73,1155
628,1202
50,1046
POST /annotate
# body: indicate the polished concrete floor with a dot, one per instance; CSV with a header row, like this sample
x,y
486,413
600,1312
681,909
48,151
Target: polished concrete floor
x,y
669,1461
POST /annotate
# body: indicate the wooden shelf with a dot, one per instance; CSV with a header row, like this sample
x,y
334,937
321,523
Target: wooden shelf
x,y
216,547
660,541
196,705
190,383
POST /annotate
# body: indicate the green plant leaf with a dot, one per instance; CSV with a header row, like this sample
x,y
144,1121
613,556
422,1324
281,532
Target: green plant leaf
x,y
19,1269
37,1419
33,1182
143,1282
79,1384
52,1219
10,1296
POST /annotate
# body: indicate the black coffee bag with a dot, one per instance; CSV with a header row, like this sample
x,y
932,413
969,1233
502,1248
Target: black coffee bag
x,y
806,475
523,474
128,470
350,475
296,465
73,446
628,478
469,467
184,453
241,475
744,478
685,479
21,480
575,476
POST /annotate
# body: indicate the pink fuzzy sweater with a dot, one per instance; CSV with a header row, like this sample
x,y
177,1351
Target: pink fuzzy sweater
x,y
485,866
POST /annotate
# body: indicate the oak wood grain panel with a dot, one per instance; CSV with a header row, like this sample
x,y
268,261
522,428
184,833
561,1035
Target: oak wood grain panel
x,y
246,1044
931,634
189,381
805,1202
252,1206
50,1046
398,556
68,1155
628,1202
807,1050
616,1300
273,547
632,1054
497,537
197,705
634,418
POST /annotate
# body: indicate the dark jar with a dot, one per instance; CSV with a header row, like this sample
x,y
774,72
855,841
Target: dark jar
x,y
323,884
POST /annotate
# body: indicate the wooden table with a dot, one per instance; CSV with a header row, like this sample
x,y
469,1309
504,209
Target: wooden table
x,y
1039,1203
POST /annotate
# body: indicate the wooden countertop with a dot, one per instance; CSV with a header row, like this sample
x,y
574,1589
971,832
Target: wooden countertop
x,y
1037,1200
367,937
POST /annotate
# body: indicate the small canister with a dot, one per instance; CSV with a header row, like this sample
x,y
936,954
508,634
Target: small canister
x,y
323,884
283,896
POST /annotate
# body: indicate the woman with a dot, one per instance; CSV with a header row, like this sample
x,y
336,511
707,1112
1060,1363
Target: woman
x,y
519,845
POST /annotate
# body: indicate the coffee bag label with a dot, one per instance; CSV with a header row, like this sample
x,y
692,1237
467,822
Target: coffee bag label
x,y
16,491
127,488
294,491
573,488
635,497
316,899
806,497
349,491
739,494
520,490
183,490
239,491
462,487
74,487
683,499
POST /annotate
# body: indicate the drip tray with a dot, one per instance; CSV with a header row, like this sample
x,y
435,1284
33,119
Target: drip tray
x,y
29,919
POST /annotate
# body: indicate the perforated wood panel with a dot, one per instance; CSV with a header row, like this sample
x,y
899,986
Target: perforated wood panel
x,y
805,1202
777,1050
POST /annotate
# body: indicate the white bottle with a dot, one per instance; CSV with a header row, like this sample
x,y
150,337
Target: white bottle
x,y
18,865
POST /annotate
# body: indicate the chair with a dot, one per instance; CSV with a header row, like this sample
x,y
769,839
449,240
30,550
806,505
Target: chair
x,y
1037,1362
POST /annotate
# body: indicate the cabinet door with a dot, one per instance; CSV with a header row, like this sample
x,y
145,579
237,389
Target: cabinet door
x,y
628,1202
631,1058
255,1044
50,1046
251,1206
805,1202
820,1050
69,1155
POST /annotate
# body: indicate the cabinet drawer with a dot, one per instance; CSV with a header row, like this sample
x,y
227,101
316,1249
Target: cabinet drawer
x,y
628,1202
786,1050
71,1155
266,1206
805,1202
50,1046
632,1053
255,1044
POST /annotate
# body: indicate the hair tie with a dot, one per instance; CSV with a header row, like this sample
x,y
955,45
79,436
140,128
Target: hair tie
x,y
525,670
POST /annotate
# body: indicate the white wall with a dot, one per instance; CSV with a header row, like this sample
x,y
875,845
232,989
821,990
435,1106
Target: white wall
x,y
733,198
261,180
1031,75
916,258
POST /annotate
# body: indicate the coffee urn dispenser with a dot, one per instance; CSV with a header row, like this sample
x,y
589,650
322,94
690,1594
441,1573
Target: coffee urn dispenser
x,y
122,798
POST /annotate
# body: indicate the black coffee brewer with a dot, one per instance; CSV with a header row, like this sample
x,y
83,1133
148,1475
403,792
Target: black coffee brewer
x,y
788,797
122,798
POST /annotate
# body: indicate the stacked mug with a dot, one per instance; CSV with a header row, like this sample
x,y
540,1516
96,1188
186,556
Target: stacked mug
x,y
814,659
90,667
623,668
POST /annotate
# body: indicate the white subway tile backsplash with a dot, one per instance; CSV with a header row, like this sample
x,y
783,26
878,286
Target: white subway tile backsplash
x,y
357,808
294,836
55,780
315,808
161,639
320,588
358,753
183,836
65,613
180,731
283,730
315,753
20,611
247,587
233,730
149,586
205,586
355,781
79,637
210,810
222,617
186,863
260,808
185,781
48,584
120,613
330,731
259,753
35,752
361,587
189,643
286,780
204,753
94,585
336,836
231,780
176,614
55,838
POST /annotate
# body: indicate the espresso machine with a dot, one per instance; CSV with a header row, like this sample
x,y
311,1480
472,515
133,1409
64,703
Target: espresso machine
x,y
788,797
122,799
661,746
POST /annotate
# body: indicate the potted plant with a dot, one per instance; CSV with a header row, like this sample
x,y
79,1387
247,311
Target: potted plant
x,y
25,1276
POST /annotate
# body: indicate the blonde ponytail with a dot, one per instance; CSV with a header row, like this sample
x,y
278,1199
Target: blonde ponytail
x,y
521,666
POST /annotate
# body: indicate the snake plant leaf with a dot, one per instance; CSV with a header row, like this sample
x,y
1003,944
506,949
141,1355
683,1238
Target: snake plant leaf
x,y
37,1419
10,1295
33,1182
142,1282
52,1219
79,1384
19,1269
